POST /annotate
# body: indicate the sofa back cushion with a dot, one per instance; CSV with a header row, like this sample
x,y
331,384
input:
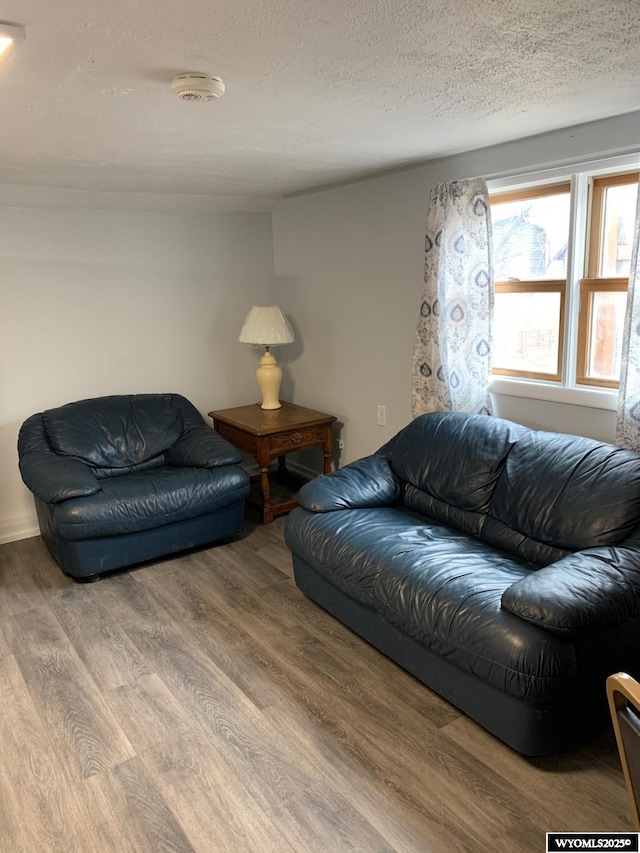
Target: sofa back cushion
x,y
451,463
537,495
560,493
115,432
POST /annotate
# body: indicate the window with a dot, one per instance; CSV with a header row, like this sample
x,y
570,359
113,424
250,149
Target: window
x,y
550,322
603,292
530,239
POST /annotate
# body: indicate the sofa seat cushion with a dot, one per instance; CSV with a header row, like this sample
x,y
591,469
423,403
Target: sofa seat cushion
x,y
149,499
440,586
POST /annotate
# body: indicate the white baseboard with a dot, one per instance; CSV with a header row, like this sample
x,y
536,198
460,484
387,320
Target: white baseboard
x,y
18,528
303,470
252,469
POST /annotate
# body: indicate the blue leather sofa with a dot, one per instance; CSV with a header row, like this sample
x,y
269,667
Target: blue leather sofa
x,y
499,565
123,479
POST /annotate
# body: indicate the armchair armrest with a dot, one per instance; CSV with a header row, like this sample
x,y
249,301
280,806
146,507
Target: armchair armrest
x,y
51,477
202,447
369,482
586,592
55,478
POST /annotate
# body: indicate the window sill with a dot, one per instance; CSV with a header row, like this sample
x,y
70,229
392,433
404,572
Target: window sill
x,y
593,398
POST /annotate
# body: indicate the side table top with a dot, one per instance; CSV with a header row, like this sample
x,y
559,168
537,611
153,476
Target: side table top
x,y
259,421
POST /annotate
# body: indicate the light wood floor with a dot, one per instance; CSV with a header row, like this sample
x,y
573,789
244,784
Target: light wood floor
x,y
204,704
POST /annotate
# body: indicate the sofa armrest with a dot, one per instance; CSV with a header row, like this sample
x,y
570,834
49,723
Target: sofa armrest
x,y
586,592
54,478
202,447
369,482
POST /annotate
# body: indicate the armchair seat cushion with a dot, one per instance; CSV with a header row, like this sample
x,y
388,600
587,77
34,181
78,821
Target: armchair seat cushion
x,y
148,499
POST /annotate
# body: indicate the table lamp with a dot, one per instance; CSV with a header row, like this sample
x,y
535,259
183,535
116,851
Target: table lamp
x,y
267,327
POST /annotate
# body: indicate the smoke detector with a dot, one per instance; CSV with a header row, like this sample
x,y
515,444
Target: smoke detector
x,y
194,86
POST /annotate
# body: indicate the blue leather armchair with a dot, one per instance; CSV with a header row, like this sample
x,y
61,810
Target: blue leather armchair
x,y
123,479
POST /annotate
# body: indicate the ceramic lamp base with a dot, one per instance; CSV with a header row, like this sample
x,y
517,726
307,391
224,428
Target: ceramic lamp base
x,y
269,378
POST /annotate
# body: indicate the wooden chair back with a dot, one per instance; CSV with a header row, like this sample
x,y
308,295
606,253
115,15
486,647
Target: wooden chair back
x,y
623,693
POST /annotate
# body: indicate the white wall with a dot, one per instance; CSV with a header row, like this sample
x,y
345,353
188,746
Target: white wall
x,y
107,302
349,263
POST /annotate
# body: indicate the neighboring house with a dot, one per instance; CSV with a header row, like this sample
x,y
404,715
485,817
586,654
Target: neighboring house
x,y
520,245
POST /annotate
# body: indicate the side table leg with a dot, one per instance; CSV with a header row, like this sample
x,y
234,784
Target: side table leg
x,y
328,437
267,511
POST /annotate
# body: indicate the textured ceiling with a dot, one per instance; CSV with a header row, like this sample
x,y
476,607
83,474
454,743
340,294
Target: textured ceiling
x,y
317,92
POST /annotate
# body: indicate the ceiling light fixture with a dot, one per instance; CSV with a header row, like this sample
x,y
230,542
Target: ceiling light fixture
x,y
10,34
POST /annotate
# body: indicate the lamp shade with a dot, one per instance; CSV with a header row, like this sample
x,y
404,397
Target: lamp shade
x,y
266,326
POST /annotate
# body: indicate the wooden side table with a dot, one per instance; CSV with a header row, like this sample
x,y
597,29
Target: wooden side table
x,y
270,434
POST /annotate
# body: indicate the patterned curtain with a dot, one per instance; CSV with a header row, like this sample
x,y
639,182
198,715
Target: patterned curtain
x,y
628,420
452,348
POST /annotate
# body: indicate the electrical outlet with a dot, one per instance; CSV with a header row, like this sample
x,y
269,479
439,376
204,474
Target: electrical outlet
x,y
340,444
381,416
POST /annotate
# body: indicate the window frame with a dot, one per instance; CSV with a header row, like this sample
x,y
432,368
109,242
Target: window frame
x,y
588,181
598,190
542,285
593,281
538,191
589,286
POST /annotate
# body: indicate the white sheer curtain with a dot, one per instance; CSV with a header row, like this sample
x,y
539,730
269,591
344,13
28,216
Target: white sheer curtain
x,y
628,420
452,348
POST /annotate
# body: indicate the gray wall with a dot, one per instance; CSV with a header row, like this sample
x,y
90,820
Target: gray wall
x,y
111,301
348,263
108,302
